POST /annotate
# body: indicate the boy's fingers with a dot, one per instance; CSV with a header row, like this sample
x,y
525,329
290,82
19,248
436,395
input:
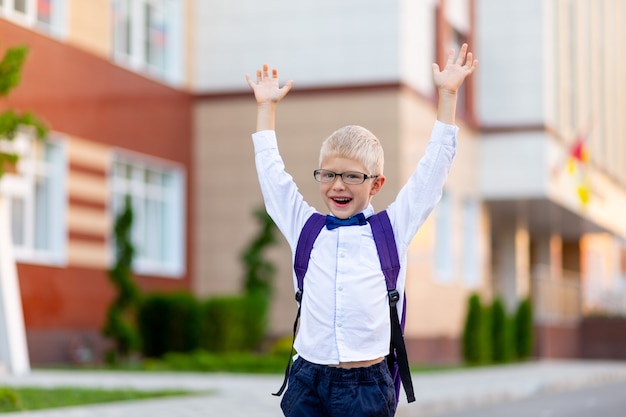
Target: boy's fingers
x,y
249,80
265,71
470,61
451,56
287,86
462,53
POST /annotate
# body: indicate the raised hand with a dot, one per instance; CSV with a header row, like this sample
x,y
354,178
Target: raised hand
x,y
266,88
454,73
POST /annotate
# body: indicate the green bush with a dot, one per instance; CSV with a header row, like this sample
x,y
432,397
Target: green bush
x,y
524,330
202,361
9,400
502,334
233,323
169,323
476,347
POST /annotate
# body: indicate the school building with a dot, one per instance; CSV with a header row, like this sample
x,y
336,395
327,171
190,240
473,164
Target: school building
x,y
148,97
111,92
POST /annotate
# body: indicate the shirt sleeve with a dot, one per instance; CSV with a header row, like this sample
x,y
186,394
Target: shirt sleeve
x,y
423,190
283,201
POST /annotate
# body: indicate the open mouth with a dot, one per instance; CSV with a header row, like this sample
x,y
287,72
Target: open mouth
x,y
342,201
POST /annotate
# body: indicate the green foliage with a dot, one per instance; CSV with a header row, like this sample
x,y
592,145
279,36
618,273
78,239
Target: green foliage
x,y
169,323
476,349
9,400
502,334
491,335
524,339
11,68
11,122
260,273
234,323
203,361
181,323
121,322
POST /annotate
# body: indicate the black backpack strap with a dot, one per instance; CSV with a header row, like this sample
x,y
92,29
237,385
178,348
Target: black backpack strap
x,y
390,265
310,231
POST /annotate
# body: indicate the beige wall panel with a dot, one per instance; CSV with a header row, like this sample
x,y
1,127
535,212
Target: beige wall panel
x,y
89,154
87,254
89,221
87,187
90,25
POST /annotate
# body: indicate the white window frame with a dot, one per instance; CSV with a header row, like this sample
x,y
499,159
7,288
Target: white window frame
x,y
57,26
471,242
444,239
166,237
48,208
129,32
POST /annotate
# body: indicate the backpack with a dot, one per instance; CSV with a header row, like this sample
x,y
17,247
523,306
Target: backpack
x,y
390,264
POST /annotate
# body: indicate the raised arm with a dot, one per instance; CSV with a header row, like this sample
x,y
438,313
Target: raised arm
x,y
449,80
268,94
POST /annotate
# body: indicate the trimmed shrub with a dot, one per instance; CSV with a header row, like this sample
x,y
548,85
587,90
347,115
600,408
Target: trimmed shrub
x,y
524,339
233,323
502,334
169,323
121,319
475,333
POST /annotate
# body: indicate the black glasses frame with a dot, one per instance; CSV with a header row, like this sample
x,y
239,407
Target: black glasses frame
x,y
318,172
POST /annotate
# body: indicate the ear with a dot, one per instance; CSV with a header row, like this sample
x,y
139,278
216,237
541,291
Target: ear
x,y
377,184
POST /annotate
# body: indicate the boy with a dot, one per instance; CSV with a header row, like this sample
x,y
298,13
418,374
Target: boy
x,y
345,329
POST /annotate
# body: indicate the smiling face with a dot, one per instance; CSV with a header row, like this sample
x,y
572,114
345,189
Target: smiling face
x,y
345,200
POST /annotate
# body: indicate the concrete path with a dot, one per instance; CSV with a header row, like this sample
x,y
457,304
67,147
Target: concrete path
x,y
233,395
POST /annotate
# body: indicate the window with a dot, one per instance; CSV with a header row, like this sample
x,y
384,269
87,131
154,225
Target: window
x,y
146,36
36,201
471,239
157,193
443,240
45,15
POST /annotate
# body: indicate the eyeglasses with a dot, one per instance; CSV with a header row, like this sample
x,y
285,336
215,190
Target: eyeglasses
x,y
348,177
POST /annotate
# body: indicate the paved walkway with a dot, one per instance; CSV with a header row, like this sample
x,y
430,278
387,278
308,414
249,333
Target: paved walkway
x,y
233,395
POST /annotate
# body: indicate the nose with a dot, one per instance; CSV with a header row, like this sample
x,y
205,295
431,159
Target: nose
x,y
338,183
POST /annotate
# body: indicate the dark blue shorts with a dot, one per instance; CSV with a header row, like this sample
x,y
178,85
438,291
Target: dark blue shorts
x,y
320,390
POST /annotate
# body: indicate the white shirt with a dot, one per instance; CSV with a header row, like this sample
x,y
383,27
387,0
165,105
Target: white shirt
x,y
345,311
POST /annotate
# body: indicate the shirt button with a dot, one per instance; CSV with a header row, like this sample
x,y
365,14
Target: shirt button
x,y
339,324
342,255
340,288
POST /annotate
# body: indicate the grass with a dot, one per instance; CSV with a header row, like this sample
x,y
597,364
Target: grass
x,y
21,399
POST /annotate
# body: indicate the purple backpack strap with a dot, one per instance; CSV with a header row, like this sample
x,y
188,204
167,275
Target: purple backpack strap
x,y
310,231
386,246
397,359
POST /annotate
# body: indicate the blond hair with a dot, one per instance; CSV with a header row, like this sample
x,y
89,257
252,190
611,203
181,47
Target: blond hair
x,y
356,143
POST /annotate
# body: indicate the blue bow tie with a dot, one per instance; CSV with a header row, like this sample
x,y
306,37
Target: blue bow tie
x,y
332,222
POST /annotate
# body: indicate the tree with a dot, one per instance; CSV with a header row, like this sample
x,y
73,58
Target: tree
x,y
502,333
121,321
10,121
476,346
524,329
259,271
